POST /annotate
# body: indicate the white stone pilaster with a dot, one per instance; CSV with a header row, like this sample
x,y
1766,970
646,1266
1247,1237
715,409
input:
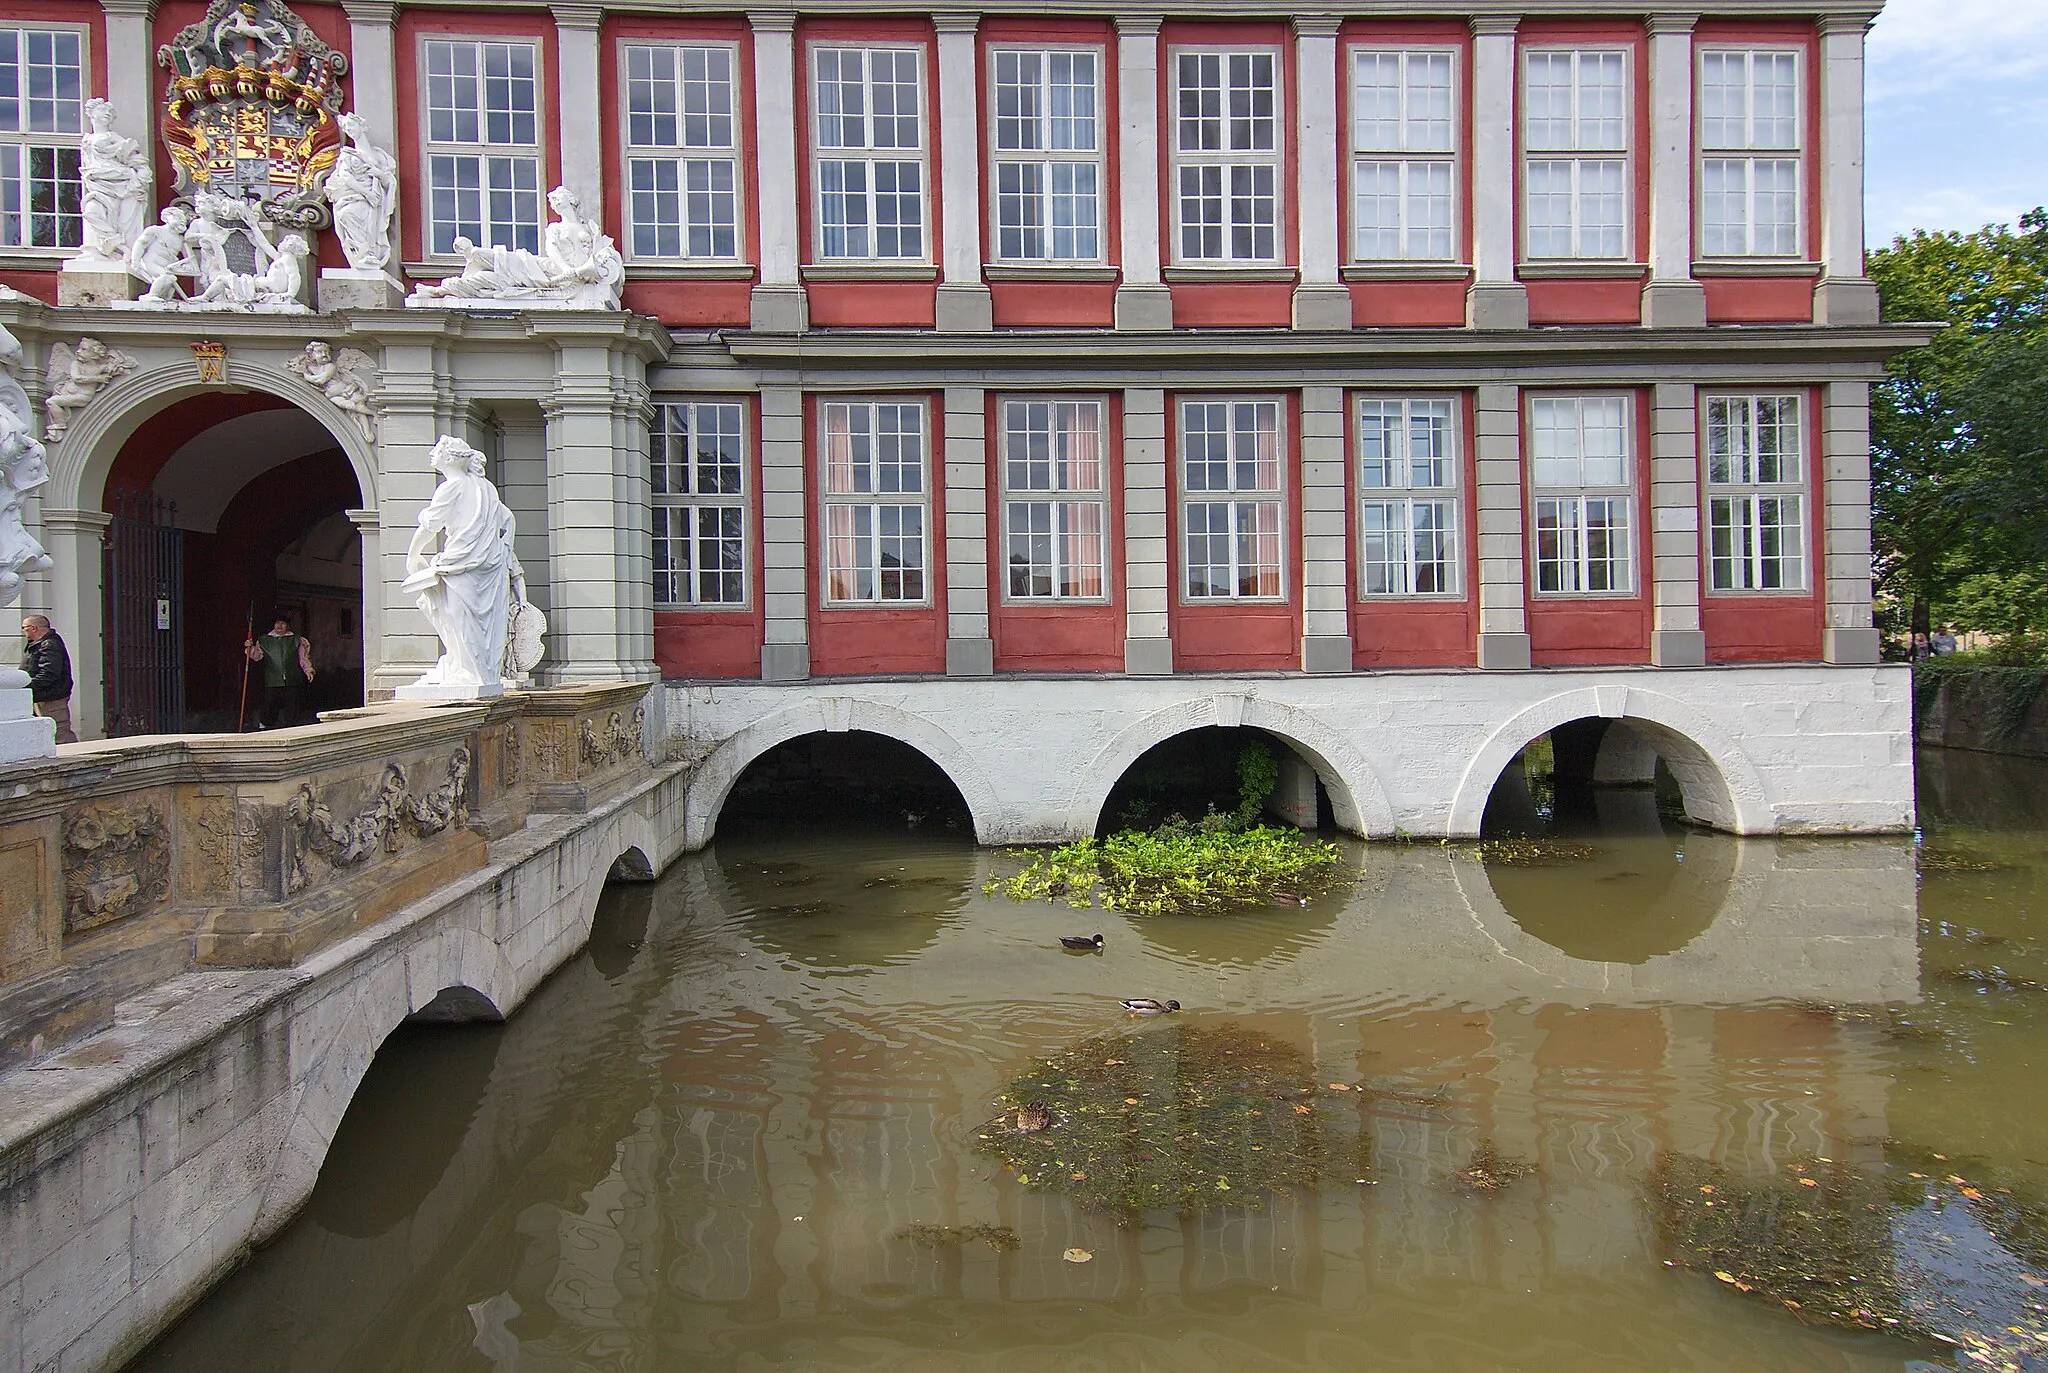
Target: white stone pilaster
x,y
373,68
1672,298
1497,299
1677,640
1845,295
1148,649
1503,573
1142,300
415,406
963,298
131,63
1844,562
1320,299
969,650
598,493
1325,533
778,302
785,575
370,533
581,143
75,541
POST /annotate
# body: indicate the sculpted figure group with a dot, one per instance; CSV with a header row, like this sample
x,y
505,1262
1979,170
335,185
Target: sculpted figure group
x,y
23,468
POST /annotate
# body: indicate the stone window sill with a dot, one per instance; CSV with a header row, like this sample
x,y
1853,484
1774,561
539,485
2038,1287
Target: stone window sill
x,y
871,271
1406,271
1189,275
1013,271
689,271
1581,271
1762,267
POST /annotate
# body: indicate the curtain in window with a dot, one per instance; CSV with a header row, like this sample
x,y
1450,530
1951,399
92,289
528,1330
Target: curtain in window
x,y
838,451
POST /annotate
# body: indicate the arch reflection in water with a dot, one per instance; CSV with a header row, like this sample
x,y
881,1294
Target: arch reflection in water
x,y
1619,899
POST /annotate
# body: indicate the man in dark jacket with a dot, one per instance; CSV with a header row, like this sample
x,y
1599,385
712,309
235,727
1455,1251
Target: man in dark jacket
x,y
48,666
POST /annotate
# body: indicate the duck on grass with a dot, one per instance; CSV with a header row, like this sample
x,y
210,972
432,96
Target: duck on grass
x,y
1177,869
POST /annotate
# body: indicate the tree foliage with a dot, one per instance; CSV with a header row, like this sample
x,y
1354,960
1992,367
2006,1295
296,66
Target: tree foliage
x,y
1959,479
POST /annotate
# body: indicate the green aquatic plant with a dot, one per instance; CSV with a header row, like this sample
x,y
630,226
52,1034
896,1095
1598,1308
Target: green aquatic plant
x,y
1529,851
998,1237
1178,1118
1177,869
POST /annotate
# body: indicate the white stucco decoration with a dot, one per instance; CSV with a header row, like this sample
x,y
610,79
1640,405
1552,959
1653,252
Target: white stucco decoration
x,y
115,178
23,468
344,377
362,190
76,375
578,268
160,256
470,586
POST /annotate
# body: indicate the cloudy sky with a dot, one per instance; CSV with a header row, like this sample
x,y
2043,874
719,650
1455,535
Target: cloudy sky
x,y
1958,132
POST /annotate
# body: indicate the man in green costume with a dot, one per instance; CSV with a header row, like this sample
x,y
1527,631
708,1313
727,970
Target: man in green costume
x,y
287,660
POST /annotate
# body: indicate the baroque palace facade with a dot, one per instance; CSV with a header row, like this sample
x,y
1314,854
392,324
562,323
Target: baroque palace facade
x,y
1032,340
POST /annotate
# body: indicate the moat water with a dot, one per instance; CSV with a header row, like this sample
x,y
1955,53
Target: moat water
x,y
704,1143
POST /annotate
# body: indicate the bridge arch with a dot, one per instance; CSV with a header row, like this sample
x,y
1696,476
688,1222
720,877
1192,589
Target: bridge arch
x,y
1720,782
714,780
1357,799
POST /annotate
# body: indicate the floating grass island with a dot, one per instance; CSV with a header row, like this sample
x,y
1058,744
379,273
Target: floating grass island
x,y
1177,869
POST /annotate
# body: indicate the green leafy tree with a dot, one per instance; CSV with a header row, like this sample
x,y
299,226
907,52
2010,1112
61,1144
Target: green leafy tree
x,y
1957,460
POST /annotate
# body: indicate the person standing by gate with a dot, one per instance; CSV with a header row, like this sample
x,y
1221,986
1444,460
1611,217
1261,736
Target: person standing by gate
x,y
287,660
48,665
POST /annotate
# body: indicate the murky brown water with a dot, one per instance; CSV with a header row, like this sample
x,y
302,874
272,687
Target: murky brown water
x,y
698,1146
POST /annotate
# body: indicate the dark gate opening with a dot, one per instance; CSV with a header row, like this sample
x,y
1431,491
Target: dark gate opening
x,y
144,616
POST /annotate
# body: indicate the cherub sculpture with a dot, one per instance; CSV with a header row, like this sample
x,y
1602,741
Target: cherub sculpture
x,y
343,377
76,376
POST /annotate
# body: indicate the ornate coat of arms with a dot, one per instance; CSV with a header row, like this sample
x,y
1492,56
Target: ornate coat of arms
x,y
252,107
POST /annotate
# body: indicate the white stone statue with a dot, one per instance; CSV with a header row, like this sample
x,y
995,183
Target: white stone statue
x,y
471,588
160,256
272,289
579,268
114,178
362,188
344,378
75,378
23,468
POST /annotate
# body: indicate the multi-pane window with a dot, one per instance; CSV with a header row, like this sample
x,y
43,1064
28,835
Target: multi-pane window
x,y
1055,509
682,154
699,469
483,144
1575,145
869,165
1581,478
1403,146
42,113
1407,498
1230,498
1226,142
875,502
1749,153
1048,154
1756,487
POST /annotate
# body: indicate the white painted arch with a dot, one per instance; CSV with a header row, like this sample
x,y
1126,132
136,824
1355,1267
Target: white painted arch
x,y
1721,784
713,781
1358,801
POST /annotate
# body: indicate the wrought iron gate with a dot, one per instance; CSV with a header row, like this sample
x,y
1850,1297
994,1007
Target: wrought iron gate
x,y
145,580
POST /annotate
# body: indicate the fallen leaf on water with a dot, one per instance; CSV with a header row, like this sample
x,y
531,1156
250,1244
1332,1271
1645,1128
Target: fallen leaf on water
x,y
1724,1277
1077,1256
1808,1182
1130,1101
1340,1086
1973,1194
1300,1109
1078,1177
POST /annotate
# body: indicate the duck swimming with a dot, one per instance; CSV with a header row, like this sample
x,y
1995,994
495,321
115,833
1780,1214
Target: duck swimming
x,y
1146,1005
1081,941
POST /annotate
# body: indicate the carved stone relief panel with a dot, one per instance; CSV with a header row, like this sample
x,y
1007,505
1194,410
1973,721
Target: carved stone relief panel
x,y
314,842
117,864
615,740
23,901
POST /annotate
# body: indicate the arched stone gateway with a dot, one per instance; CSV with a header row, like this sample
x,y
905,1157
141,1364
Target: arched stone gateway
x,y
1720,783
260,484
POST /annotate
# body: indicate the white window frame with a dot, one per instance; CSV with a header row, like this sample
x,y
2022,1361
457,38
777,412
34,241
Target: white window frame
x,y
1273,160
1406,159
870,156
482,149
1577,497
881,506
1235,497
682,420
682,153
19,144
1045,158
1405,494
1739,487
1750,154
1578,157
1058,501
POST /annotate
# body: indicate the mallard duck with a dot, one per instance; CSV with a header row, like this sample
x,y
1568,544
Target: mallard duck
x,y
1145,1005
1081,941
1032,1118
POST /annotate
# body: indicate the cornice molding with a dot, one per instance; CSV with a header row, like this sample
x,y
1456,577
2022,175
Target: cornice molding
x,y
130,9
956,22
1495,25
381,14
1138,25
772,21
578,18
1317,25
1854,23
1671,23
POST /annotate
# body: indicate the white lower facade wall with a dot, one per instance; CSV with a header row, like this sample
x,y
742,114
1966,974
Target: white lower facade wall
x,y
1758,750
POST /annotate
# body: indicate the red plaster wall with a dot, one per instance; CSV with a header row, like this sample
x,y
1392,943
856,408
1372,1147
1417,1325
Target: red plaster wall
x,y
1759,300
714,644
873,304
1054,304
861,640
1416,633
1392,304
1594,629
1035,636
1604,300
1235,637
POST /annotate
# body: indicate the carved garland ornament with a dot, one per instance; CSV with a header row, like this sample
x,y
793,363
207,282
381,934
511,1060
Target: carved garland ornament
x,y
117,862
617,741
392,813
